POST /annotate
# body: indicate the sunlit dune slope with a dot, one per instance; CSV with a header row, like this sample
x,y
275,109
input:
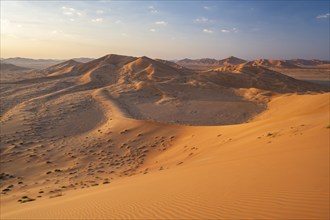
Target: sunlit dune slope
x,y
269,168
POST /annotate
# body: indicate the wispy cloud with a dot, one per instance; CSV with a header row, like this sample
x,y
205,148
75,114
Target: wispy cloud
x,y
152,10
323,16
97,20
60,34
232,30
202,20
152,30
71,11
4,23
53,32
206,7
209,31
163,23
99,12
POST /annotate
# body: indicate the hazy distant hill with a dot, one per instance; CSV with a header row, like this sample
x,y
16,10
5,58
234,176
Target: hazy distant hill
x,y
4,67
293,63
208,63
313,62
38,63
274,63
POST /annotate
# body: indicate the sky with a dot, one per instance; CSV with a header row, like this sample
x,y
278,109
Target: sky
x,y
166,29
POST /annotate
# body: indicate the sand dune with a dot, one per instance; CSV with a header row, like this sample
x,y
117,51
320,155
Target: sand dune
x,y
275,63
231,61
253,76
284,173
207,63
109,139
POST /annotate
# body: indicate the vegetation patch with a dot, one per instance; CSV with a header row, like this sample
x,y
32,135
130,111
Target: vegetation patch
x,y
26,199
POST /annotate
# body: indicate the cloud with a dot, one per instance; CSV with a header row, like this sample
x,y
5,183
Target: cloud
x,y
163,23
53,32
152,10
70,11
152,30
206,7
324,16
202,20
60,34
4,21
209,31
117,21
232,30
97,20
99,12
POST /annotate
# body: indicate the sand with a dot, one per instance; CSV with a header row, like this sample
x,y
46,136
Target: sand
x,y
79,150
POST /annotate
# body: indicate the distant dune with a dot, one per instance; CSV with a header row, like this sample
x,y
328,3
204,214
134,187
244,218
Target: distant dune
x,y
38,63
123,137
275,63
4,67
231,61
163,92
207,63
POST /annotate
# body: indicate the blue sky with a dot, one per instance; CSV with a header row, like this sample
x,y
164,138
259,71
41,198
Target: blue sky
x,y
166,29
